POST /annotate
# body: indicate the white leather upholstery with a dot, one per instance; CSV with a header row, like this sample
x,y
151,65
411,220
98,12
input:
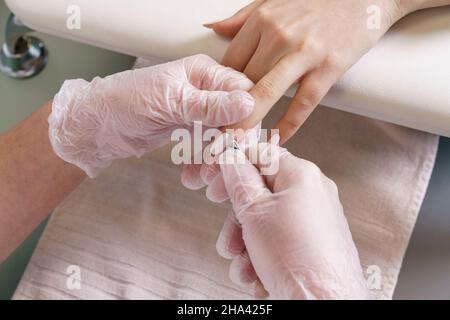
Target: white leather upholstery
x,y
404,80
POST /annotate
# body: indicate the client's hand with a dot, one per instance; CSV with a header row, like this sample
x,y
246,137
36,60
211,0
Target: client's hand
x,y
130,113
294,233
281,42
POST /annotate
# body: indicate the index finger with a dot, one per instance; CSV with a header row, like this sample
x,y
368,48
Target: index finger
x,y
272,87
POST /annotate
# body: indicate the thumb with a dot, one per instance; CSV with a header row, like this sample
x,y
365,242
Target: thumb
x,y
230,27
215,108
242,180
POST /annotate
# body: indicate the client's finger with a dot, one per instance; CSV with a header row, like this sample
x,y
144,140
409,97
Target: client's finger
x,y
273,86
310,92
230,27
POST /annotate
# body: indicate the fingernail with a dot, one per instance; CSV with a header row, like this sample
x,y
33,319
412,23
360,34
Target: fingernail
x,y
209,25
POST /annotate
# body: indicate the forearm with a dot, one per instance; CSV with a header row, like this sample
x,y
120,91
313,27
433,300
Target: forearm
x,y
408,6
33,180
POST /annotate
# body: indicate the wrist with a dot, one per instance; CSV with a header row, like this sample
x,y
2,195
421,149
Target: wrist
x,y
406,7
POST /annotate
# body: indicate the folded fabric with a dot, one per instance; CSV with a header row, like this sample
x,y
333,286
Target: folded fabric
x,y
136,233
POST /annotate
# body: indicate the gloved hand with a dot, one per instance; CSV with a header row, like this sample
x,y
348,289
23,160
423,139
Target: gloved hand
x,y
294,234
132,112
197,176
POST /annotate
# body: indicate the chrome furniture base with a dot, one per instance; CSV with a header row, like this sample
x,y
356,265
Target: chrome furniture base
x,y
21,56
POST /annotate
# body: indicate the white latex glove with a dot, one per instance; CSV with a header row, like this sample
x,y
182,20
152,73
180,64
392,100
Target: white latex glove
x,y
132,112
295,235
197,176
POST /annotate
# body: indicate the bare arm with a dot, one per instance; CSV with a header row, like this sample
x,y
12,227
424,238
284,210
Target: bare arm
x,y
414,5
33,180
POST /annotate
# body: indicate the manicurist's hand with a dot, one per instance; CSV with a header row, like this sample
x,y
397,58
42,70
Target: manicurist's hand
x,y
277,43
88,125
130,113
288,229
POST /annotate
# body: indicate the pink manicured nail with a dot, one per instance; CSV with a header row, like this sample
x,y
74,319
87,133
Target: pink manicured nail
x,y
209,25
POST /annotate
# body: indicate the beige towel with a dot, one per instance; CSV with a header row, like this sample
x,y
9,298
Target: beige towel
x,y
136,233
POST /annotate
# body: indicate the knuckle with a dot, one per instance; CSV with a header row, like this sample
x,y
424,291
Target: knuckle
x,y
311,46
265,89
262,15
333,61
311,97
281,34
291,124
